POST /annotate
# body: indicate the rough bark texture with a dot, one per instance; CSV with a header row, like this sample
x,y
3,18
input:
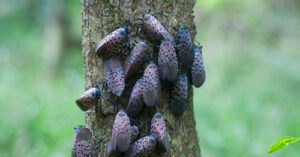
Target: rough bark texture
x,y
100,17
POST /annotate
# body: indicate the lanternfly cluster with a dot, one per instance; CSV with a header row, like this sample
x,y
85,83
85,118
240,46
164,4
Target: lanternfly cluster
x,y
141,67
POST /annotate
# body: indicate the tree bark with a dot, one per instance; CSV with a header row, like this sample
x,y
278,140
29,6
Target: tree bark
x,y
100,17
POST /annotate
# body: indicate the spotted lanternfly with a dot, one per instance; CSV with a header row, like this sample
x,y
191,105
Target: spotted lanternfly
x,y
197,70
185,48
155,29
142,147
135,103
134,133
74,147
159,131
115,43
167,61
83,143
83,148
114,75
121,133
108,150
179,94
88,99
136,59
151,84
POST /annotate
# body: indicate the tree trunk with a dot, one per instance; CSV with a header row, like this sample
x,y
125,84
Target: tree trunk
x,y
100,17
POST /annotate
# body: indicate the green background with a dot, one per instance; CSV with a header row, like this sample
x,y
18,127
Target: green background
x,y
250,99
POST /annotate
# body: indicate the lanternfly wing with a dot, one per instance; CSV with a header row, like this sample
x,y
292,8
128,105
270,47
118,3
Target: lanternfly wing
x,y
121,133
179,94
114,75
135,103
185,49
154,29
83,142
136,59
197,70
88,99
114,43
167,61
74,147
159,131
142,147
151,85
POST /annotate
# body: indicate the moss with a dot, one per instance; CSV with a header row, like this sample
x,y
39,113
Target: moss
x,y
100,134
177,142
94,40
166,3
169,138
192,146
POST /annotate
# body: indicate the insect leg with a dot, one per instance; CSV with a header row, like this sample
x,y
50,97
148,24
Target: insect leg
x,y
94,148
173,27
103,97
169,124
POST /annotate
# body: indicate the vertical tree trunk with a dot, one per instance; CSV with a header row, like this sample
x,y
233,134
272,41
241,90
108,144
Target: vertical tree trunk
x,y
100,17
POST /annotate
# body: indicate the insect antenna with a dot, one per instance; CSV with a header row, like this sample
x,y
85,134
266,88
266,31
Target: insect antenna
x,y
151,5
165,110
100,95
158,12
106,99
137,19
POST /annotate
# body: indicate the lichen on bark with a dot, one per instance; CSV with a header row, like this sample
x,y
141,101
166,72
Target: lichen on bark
x,y
100,17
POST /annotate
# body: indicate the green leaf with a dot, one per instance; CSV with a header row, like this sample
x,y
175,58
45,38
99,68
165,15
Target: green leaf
x,y
282,142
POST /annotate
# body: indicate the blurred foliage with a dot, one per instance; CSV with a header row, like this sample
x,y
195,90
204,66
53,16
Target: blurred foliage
x,y
250,98
37,109
252,59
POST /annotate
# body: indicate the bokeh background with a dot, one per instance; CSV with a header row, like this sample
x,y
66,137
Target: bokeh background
x,y
250,99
